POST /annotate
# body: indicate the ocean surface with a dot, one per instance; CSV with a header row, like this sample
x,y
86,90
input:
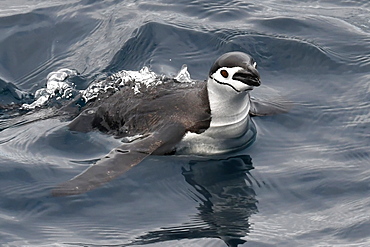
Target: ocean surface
x,y
304,182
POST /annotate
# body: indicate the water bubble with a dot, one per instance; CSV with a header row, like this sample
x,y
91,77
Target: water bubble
x,y
58,87
183,75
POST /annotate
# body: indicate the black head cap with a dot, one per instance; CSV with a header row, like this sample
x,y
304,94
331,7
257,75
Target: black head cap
x,y
233,59
248,73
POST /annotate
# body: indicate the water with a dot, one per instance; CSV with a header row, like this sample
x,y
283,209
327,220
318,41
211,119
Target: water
x,y
304,182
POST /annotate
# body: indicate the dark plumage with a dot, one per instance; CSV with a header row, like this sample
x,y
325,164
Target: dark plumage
x,y
125,113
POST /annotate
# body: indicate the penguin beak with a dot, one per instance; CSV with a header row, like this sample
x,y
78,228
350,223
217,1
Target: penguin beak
x,y
249,76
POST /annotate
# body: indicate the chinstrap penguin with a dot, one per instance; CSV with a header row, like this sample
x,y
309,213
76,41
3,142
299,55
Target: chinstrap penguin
x,y
210,117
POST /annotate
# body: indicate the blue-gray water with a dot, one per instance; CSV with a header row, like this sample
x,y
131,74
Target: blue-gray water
x,y
304,182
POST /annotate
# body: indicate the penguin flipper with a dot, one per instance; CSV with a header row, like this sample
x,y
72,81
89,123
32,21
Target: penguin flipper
x,y
278,105
121,159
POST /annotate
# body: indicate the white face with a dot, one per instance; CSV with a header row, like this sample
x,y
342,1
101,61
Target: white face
x,y
224,77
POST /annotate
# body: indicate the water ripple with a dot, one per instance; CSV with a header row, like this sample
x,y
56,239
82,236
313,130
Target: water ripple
x,y
304,181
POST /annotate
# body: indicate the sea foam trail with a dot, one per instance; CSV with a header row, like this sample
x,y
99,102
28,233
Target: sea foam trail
x,y
60,85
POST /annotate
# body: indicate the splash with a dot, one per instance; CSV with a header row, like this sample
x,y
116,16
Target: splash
x,y
60,85
134,79
137,80
57,87
184,75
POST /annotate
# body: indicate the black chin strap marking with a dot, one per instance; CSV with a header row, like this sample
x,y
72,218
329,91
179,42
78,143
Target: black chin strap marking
x,y
223,83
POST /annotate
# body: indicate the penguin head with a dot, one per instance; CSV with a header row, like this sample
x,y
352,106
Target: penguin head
x,y
236,71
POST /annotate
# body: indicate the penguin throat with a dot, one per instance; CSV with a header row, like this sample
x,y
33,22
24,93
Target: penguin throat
x,y
226,104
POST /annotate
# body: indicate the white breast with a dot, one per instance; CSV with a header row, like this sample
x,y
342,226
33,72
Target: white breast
x,y
219,140
231,128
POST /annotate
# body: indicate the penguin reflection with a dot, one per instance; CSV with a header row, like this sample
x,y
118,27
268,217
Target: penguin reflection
x,y
224,190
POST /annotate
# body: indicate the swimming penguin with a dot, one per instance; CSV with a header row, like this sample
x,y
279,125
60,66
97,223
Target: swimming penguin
x,y
210,117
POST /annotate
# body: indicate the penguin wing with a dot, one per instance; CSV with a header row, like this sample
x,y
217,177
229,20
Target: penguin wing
x,y
268,107
121,159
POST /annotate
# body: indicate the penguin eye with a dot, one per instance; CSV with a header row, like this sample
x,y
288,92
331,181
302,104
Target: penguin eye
x,y
224,73
255,65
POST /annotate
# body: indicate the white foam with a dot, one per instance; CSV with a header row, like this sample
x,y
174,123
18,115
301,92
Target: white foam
x,y
184,75
59,87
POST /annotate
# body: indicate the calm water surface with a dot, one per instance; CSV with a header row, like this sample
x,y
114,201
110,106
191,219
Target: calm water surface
x,y
304,182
